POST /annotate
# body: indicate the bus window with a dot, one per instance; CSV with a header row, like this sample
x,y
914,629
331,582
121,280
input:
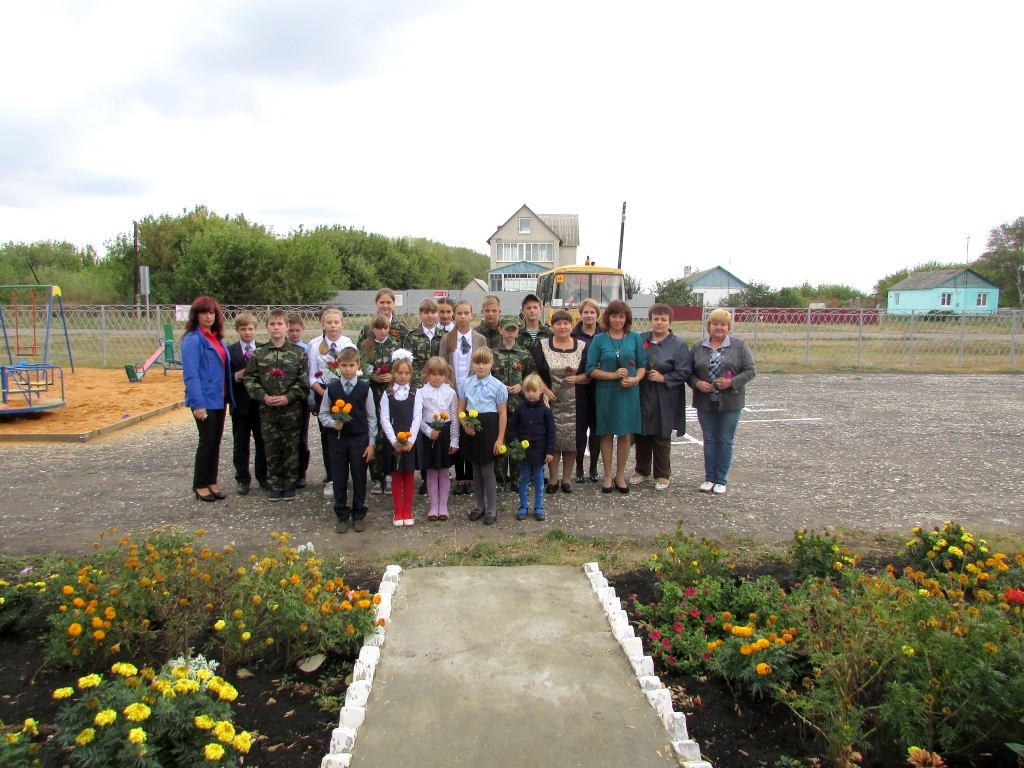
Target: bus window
x,y
574,289
544,289
606,288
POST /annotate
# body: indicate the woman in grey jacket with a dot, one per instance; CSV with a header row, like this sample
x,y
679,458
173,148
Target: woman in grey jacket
x,y
722,366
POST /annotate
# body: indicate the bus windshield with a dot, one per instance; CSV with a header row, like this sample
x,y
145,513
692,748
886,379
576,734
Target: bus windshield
x,y
575,287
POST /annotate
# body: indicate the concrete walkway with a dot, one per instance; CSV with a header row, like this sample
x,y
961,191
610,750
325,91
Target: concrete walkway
x,y
505,667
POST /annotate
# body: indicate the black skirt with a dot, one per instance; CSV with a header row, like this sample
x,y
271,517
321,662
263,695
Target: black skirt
x,y
407,462
434,454
479,448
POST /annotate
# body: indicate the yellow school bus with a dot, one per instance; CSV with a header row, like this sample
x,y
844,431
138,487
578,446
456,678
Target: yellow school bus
x,y
567,287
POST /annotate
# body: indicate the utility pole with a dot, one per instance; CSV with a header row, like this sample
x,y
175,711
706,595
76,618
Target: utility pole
x,y
135,264
622,233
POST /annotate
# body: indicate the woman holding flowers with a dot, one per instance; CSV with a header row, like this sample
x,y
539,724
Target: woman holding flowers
x,y
722,366
401,409
617,360
561,361
207,375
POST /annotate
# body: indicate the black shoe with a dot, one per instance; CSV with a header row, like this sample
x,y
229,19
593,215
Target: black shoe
x,y
595,478
423,489
467,488
552,488
300,483
566,488
341,527
457,489
490,519
218,495
609,489
621,488
359,525
243,489
275,495
476,514
580,479
288,495
208,497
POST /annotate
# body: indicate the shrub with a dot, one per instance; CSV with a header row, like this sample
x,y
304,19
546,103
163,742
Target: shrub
x,y
175,718
16,600
819,555
17,750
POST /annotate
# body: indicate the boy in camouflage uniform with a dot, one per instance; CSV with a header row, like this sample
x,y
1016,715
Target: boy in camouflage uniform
x,y
490,329
424,341
277,377
512,364
533,330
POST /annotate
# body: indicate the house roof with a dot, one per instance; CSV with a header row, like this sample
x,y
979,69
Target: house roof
x,y
476,284
942,278
565,226
519,268
716,277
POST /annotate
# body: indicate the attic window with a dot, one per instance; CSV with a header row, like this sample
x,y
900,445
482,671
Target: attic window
x,y
524,226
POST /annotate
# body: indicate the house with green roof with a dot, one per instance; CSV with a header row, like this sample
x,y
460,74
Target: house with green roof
x,y
943,290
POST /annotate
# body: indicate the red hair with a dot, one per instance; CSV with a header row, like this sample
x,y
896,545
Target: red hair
x,y
205,304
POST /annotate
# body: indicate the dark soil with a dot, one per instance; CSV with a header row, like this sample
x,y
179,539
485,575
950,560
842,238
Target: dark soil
x,y
738,731
281,708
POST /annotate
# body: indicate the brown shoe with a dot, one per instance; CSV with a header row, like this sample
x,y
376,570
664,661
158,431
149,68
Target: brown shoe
x,y
359,525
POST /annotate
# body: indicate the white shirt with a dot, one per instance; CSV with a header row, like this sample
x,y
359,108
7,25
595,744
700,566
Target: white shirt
x,y
447,328
434,401
401,393
325,417
429,332
248,347
318,373
462,361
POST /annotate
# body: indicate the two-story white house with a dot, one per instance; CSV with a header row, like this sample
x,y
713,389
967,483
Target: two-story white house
x,y
530,243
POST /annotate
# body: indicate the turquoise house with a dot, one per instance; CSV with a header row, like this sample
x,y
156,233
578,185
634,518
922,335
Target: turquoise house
x,y
943,290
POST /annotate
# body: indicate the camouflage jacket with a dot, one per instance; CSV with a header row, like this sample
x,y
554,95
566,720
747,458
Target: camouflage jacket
x,y
280,370
511,366
381,356
399,331
493,335
526,341
423,348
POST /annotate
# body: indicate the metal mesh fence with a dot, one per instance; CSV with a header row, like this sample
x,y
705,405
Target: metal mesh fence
x,y
113,336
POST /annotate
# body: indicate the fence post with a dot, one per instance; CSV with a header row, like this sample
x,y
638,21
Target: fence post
x,y
159,328
963,322
807,348
860,339
1013,338
103,333
757,324
912,316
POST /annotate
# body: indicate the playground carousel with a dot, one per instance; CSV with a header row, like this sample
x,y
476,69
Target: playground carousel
x,y
29,383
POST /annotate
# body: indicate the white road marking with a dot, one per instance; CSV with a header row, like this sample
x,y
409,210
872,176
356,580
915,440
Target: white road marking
x,y
763,410
688,440
767,421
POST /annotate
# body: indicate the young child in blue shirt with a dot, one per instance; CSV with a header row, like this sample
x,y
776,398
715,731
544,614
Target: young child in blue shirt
x,y
484,394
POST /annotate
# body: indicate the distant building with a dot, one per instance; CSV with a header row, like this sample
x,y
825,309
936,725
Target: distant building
x,y
476,285
528,244
950,290
711,287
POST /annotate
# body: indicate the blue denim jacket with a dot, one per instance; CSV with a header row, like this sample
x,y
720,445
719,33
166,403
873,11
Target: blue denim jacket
x,y
205,374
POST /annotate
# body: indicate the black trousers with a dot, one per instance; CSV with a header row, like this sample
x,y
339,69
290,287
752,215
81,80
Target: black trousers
x,y
211,429
242,427
346,454
324,434
304,442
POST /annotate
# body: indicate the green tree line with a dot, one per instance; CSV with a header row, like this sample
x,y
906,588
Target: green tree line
x,y
239,262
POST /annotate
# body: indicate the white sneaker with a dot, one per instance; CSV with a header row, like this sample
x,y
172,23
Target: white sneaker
x,y
377,488
637,479
719,488
387,487
706,487
329,491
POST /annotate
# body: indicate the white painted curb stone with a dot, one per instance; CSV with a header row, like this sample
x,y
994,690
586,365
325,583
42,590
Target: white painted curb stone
x,y
353,713
659,697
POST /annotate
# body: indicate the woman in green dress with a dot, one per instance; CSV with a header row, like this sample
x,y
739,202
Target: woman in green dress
x,y
617,362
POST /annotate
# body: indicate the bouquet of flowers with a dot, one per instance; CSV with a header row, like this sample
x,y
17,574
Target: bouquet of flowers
x,y
561,386
438,422
515,450
469,419
382,369
403,439
332,371
651,347
341,412
365,370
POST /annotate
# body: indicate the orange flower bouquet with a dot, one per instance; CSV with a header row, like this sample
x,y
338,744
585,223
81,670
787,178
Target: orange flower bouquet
x,y
402,438
341,412
438,422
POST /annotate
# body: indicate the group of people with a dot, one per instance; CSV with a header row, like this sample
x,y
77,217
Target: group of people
x,y
496,404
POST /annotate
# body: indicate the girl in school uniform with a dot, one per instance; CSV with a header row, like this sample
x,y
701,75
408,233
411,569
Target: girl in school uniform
x,y
401,408
439,403
484,394
375,355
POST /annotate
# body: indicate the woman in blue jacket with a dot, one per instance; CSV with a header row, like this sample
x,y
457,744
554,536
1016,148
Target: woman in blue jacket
x,y
204,362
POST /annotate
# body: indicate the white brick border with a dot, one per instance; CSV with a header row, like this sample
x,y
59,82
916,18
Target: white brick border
x,y
343,738
687,751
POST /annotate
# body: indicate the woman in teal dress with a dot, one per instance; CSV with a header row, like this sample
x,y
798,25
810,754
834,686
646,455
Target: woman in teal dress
x,y
617,362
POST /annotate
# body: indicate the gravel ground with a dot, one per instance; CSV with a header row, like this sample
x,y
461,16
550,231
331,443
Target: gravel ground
x,y
873,453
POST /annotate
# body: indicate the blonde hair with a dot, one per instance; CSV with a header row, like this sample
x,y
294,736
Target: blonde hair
x,y
428,305
718,316
588,302
483,355
324,344
489,299
437,365
533,383
244,318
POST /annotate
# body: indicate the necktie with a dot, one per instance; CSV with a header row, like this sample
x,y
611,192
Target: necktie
x,y
465,346
348,387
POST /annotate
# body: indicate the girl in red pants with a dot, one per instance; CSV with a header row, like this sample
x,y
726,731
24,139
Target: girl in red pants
x,y
400,413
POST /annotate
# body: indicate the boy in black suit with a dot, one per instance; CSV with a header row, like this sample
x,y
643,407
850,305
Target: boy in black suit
x,y
245,416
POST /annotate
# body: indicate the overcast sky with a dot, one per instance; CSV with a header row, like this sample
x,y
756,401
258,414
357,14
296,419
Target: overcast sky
x,y
819,141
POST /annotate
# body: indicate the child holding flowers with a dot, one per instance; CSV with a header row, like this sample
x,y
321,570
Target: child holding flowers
x,y
401,409
375,362
533,423
483,398
438,403
351,445
323,361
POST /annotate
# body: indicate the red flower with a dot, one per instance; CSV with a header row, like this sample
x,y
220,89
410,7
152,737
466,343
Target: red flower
x,y
319,374
519,367
1014,596
383,369
277,372
632,362
655,635
677,627
671,661
706,657
709,619
695,613
647,345
666,644
570,370
689,592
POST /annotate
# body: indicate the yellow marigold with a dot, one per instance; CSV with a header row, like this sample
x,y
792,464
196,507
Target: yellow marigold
x,y
180,672
186,686
213,752
364,604
110,613
96,622
238,613
269,641
137,712
67,589
124,669
742,631
303,627
203,674
78,602
990,647
256,599
75,629
350,629
242,742
227,692
89,681
762,644
295,579
137,736
955,551
346,605
105,717
525,443
376,599
63,693
219,625
473,413
746,650
764,669
204,722
85,737
224,731
246,636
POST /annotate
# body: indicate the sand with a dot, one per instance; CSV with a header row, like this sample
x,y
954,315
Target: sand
x,y
97,397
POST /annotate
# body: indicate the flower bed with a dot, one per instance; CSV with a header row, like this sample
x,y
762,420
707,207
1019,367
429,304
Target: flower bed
x,y
865,661
108,624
